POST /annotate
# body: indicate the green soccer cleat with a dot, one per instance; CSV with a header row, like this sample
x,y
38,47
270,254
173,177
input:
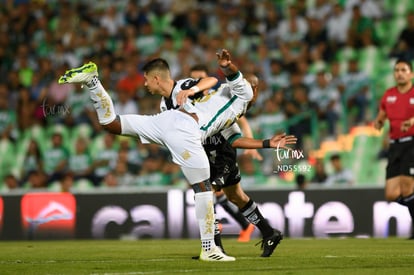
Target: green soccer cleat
x,y
83,74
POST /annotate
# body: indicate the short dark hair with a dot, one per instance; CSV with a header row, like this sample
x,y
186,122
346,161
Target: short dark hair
x,y
156,64
199,67
406,61
335,157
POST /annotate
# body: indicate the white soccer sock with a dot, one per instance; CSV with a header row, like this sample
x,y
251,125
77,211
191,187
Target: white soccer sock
x,y
101,101
205,217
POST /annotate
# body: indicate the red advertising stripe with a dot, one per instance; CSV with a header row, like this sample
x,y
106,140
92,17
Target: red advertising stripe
x,y
48,214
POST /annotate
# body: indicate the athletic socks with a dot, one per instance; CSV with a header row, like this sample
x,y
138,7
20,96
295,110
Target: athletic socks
x,y
233,211
254,216
101,101
205,216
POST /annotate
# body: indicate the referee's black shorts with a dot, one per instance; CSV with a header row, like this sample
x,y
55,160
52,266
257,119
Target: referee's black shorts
x,y
400,158
223,162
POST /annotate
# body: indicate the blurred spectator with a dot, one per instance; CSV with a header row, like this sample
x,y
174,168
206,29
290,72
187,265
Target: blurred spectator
x,y
369,8
35,180
10,183
123,176
112,21
154,158
125,104
320,10
134,158
361,32
147,42
55,159
327,101
28,113
301,182
271,23
355,89
110,180
299,104
291,32
132,81
340,174
80,110
336,75
54,107
7,115
135,15
320,175
37,96
278,77
33,160
67,182
105,157
404,48
250,176
337,27
296,81
80,161
317,41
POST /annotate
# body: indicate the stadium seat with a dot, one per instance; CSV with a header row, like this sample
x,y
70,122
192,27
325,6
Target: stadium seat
x,y
61,129
370,60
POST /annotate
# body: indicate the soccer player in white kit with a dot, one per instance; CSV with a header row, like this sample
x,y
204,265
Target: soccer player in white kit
x,y
181,130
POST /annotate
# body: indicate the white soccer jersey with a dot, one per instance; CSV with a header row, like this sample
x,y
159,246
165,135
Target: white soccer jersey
x,y
171,102
219,109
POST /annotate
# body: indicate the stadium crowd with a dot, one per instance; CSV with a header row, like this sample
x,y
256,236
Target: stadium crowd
x,y
292,45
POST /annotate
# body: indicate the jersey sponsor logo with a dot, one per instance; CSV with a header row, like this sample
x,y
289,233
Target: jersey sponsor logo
x,y
391,99
412,100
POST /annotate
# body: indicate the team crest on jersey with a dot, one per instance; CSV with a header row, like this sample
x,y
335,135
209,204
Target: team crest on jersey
x,y
412,100
186,155
391,99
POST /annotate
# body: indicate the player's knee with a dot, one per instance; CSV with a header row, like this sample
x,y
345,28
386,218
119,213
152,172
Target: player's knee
x,y
391,196
203,186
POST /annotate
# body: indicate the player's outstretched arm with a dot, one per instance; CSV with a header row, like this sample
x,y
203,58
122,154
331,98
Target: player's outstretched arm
x,y
247,132
277,141
204,84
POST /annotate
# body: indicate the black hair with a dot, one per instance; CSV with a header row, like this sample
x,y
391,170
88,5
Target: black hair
x,y
156,64
405,61
199,67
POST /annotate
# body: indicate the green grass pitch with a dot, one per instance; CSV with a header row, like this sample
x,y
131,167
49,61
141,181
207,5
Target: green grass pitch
x,y
293,256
